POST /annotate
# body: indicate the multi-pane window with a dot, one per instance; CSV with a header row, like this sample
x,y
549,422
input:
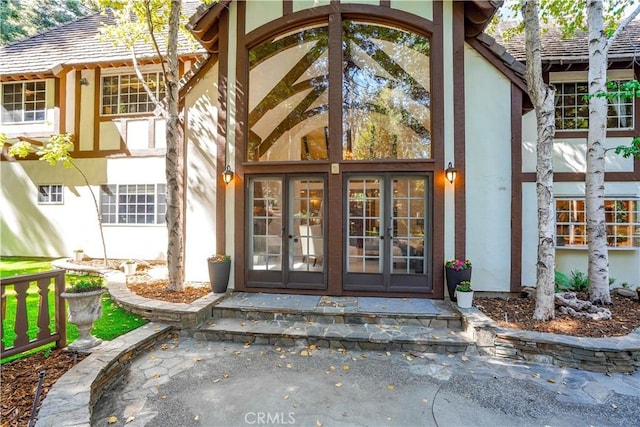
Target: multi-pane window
x,y
133,203
125,93
572,107
50,194
24,102
622,221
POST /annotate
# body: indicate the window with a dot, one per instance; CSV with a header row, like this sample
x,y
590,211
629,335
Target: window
x,y
24,102
50,194
125,94
133,204
621,216
572,109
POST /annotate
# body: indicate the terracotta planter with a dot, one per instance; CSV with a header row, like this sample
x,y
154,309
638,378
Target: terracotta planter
x,y
465,299
219,276
454,277
84,309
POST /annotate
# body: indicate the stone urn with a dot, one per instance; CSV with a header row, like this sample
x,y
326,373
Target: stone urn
x,y
84,309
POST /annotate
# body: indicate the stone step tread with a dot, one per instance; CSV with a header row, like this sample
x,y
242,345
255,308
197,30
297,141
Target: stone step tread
x,y
221,311
375,333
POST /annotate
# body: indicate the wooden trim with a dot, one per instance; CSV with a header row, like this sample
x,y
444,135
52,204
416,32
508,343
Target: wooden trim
x,y
96,111
221,142
437,132
571,134
287,7
57,122
516,189
242,80
76,112
385,3
459,137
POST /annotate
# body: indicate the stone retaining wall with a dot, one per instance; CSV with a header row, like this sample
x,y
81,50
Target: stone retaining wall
x,y
71,399
617,354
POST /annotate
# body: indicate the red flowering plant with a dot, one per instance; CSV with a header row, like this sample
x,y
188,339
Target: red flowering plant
x,y
458,264
219,258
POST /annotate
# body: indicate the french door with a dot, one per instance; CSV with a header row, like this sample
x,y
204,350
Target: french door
x,y
388,233
286,231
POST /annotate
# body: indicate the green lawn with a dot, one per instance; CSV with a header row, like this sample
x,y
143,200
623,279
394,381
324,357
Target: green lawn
x,y
115,321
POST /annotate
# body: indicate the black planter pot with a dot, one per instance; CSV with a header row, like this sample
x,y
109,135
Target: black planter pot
x,y
219,276
454,277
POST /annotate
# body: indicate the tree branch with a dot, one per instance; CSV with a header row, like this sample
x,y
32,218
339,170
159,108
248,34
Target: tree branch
x,y
622,26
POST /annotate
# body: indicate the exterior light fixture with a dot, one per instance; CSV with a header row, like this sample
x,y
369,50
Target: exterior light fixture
x,y
227,175
450,173
84,82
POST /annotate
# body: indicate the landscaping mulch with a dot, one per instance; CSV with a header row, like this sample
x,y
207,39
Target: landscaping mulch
x,y
158,290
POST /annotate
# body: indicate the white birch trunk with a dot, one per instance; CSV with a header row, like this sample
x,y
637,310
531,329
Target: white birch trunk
x,y
542,96
598,270
174,159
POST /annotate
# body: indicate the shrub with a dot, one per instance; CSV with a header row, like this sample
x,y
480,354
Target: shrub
x,y
579,281
85,284
562,282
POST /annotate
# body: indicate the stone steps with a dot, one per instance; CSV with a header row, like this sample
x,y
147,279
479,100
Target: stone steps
x,y
339,322
366,336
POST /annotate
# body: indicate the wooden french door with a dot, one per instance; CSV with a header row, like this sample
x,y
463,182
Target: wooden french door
x,y
388,225
286,231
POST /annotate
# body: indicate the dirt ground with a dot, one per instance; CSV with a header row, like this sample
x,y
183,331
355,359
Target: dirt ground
x,y
19,379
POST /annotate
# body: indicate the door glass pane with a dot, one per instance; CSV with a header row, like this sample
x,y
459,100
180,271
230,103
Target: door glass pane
x,y
306,248
288,97
386,93
408,219
265,240
364,216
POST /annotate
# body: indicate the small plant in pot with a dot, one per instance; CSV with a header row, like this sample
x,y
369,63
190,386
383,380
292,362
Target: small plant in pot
x,y
464,294
78,254
219,271
456,270
129,267
83,296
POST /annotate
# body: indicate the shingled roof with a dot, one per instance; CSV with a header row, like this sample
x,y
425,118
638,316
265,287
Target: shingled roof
x,y
556,50
75,45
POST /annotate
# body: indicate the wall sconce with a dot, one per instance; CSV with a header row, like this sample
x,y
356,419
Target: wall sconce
x,y
450,173
227,175
84,82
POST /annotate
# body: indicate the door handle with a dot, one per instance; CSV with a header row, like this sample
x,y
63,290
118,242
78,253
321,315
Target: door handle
x,y
389,232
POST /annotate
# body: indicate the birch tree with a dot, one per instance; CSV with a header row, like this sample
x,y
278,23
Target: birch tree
x,y
542,95
599,44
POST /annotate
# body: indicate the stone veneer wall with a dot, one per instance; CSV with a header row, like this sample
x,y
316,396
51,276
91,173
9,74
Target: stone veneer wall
x,y
616,354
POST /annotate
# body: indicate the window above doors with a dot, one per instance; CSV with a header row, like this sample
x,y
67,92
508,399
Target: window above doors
x,y
385,101
24,102
123,94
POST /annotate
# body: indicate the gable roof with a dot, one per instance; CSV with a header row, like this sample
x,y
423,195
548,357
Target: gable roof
x,y
575,50
75,45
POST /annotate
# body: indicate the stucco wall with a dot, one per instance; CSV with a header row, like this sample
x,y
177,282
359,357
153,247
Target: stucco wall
x,y
201,118
27,228
488,172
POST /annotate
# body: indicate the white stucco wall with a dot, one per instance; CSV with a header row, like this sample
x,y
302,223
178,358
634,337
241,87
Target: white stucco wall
x,y
260,13
488,172
423,9
201,118
27,228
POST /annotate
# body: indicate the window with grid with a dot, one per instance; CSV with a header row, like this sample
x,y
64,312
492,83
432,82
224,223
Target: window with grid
x,y
572,108
125,94
50,194
24,102
621,216
133,203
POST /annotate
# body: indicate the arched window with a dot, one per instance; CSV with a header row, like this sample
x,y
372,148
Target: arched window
x,y
386,94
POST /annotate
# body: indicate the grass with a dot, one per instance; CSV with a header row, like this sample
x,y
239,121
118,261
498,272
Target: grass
x,y
115,320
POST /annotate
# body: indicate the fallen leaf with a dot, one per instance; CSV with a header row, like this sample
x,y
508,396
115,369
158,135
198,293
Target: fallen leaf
x,y
197,417
217,380
409,358
346,367
112,420
388,353
247,345
536,375
464,358
243,324
155,376
614,406
152,357
338,384
425,400
364,356
318,423
305,353
551,381
197,359
283,356
391,387
164,396
286,397
312,347
332,368
131,418
225,376
164,346
289,365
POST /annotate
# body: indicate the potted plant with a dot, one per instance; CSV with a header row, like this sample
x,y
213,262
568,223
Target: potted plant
x,y
465,294
83,296
456,270
219,271
129,267
78,254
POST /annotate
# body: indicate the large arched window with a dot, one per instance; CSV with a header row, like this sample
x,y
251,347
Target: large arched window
x,y
386,100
